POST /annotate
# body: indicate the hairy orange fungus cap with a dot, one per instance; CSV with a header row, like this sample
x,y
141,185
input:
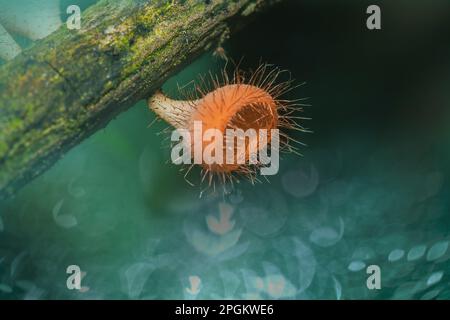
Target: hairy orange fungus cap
x,y
234,105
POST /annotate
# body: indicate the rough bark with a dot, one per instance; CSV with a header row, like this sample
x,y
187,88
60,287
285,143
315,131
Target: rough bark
x,y
72,83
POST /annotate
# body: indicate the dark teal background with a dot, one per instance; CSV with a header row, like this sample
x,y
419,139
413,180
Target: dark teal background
x,y
372,186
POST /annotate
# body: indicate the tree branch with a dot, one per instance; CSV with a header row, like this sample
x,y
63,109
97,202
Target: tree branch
x,y
74,82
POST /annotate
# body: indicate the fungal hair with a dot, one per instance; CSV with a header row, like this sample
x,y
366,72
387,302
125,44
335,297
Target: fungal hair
x,y
284,113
